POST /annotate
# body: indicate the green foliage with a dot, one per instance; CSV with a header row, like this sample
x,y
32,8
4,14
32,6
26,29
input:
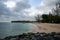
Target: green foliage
x,y
47,18
50,18
53,17
57,13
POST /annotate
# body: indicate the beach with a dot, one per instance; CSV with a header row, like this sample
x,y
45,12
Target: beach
x,y
46,27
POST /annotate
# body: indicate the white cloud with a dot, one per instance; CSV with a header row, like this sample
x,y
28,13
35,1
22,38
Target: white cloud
x,y
47,5
10,4
44,8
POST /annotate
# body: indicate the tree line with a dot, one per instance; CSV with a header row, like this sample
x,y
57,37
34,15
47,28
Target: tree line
x,y
52,17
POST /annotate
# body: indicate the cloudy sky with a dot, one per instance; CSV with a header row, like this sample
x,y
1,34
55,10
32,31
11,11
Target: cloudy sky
x,y
24,9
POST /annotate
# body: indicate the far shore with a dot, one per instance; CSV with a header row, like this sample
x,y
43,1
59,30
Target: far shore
x,y
46,27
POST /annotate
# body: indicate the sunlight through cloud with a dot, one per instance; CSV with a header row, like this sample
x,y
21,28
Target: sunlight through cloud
x,y
10,4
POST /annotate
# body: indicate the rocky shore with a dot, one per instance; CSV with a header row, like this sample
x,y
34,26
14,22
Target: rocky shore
x,y
35,36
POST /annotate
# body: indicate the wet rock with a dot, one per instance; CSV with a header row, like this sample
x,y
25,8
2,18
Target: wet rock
x,y
35,36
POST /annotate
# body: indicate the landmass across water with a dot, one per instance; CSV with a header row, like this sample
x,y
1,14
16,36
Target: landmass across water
x,y
23,21
42,27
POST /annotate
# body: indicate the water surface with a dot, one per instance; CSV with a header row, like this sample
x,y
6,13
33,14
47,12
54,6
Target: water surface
x,y
11,29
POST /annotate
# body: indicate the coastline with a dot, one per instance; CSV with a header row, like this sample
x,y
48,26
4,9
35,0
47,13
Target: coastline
x,y
46,27
40,30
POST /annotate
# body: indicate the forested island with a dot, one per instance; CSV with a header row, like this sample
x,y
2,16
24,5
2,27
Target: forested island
x,y
23,21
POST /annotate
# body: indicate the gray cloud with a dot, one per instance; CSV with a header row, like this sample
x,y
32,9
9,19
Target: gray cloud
x,y
22,5
19,13
16,14
3,9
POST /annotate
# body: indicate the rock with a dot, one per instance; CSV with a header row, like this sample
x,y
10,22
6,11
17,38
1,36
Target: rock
x,y
35,36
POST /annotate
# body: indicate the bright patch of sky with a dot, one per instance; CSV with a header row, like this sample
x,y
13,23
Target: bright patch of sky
x,y
35,3
10,4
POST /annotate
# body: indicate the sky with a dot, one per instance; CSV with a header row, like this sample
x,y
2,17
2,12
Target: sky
x,y
24,9
35,3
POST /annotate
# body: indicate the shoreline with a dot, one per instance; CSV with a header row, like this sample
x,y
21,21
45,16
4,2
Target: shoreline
x,y
40,28
46,27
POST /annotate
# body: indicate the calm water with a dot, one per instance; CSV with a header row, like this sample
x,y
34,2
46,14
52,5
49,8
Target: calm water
x,y
8,29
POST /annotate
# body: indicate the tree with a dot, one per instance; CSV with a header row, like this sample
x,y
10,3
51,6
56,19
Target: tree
x,y
45,18
56,13
38,18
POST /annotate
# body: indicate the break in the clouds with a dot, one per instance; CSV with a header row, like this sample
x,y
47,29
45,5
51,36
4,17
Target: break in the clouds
x,y
24,9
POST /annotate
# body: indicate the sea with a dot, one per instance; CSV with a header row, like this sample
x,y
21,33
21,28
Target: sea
x,y
12,29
